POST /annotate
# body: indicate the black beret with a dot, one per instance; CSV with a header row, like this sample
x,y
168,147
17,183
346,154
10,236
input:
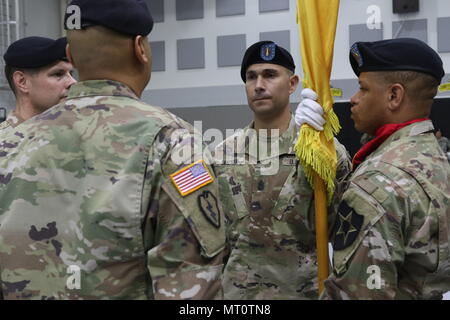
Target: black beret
x,y
35,52
266,52
131,17
403,54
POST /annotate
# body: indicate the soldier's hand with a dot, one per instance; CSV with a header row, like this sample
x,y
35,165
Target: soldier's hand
x,y
309,111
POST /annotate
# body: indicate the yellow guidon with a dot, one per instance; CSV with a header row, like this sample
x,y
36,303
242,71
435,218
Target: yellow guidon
x,y
187,181
444,87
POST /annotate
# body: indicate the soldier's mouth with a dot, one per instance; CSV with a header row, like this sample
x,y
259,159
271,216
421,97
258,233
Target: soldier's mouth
x,y
262,99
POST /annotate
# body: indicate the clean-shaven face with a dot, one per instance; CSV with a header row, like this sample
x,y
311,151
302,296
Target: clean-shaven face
x,y
268,88
51,85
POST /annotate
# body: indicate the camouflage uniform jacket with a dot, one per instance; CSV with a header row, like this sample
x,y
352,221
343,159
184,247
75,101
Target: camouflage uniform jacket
x,y
391,240
270,218
87,209
12,121
444,143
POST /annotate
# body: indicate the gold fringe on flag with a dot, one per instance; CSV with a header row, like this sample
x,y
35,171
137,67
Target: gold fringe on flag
x,y
316,150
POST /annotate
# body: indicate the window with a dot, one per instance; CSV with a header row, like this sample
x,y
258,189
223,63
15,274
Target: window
x,y
9,29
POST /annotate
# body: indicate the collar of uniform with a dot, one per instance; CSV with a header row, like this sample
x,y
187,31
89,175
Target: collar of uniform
x,y
12,120
286,141
413,130
421,127
5,124
100,88
408,131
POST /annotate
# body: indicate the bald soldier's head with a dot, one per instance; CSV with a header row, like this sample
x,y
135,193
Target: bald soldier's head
x,y
111,41
101,53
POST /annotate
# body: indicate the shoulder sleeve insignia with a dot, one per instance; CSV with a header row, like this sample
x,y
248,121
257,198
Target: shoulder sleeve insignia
x,y
191,178
347,227
209,206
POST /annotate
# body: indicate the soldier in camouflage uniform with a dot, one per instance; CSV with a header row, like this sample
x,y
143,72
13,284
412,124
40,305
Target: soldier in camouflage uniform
x,y
267,200
391,240
365,138
91,203
38,74
12,120
444,142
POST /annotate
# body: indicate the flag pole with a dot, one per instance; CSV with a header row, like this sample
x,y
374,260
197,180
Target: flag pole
x,y
320,201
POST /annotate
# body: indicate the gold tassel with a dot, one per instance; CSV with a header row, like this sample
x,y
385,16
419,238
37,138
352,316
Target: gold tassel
x,y
317,155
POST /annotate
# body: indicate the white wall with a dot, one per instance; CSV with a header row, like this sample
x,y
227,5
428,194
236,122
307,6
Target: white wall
x,y
351,12
169,88
42,18
252,23
354,12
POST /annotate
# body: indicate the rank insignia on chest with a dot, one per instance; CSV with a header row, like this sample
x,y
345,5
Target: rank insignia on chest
x,y
191,178
347,227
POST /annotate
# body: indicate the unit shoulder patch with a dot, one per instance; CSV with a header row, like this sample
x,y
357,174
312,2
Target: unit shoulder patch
x,y
209,206
347,227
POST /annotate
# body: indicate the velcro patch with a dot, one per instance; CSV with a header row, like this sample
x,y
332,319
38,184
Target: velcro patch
x,y
209,206
347,227
191,178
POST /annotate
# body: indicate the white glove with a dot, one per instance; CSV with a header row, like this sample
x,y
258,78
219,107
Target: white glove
x,y
309,111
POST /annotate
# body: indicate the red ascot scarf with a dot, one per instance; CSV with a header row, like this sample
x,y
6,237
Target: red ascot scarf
x,y
381,135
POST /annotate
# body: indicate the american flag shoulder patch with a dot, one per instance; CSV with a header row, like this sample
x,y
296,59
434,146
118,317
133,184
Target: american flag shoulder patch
x,y
192,178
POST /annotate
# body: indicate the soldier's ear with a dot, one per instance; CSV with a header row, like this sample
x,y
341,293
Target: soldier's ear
x,y
293,80
396,96
140,49
69,55
21,82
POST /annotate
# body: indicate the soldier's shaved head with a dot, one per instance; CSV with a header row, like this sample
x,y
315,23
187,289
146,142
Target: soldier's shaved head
x,y
101,53
420,87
